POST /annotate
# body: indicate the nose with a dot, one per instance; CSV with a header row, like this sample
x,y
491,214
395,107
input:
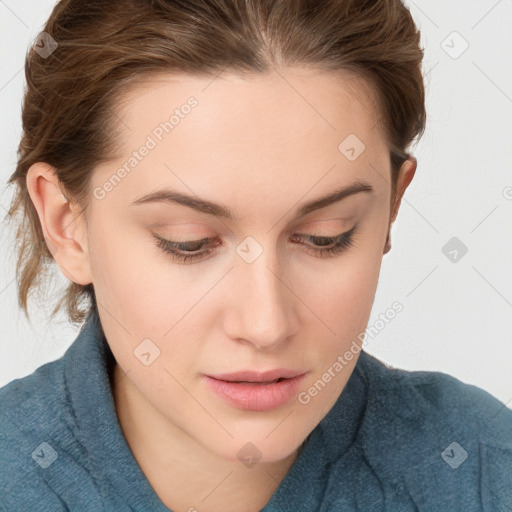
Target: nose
x,y
262,309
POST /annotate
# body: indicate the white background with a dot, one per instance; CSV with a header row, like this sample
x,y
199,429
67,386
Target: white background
x,y
457,317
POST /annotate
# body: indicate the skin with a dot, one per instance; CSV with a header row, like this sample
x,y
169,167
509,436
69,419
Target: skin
x,y
262,148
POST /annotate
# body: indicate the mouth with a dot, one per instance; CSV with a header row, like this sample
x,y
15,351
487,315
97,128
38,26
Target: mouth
x,y
256,392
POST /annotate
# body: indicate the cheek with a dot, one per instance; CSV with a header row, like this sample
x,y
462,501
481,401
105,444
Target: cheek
x,y
140,295
125,276
343,296
145,292
344,305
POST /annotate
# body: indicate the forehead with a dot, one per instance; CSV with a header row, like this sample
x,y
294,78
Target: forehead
x,y
305,101
286,130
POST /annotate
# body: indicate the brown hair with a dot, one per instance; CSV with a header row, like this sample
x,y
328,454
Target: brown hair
x,y
105,48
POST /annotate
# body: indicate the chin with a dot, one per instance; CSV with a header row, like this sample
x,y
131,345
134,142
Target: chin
x,y
257,448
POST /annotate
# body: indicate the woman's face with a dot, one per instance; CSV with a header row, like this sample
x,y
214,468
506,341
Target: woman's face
x,y
258,294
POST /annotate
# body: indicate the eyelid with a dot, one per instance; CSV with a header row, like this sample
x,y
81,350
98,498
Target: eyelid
x,y
338,244
203,241
209,241
333,224
347,232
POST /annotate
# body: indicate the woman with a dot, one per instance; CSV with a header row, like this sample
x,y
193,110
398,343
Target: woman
x,y
218,181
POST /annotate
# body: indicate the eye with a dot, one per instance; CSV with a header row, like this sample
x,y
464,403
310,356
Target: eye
x,y
191,250
336,244
173,247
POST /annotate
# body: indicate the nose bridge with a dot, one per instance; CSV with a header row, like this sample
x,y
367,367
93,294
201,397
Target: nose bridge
x,y
264,308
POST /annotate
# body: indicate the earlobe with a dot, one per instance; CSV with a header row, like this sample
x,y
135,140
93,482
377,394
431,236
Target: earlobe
x,y
62,227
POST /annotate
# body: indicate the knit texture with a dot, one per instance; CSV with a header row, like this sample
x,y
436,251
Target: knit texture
x,y
394,441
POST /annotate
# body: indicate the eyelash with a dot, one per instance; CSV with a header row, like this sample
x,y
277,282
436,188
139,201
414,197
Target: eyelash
x,y
341,242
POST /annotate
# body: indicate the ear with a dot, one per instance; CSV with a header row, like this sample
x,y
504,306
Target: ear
x,y
63,227
405,177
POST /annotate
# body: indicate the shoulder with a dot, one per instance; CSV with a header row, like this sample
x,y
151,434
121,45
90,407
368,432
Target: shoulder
x,y
34,405
435,440
35,420
438,402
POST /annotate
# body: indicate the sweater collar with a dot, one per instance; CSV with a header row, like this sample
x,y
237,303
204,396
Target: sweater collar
x,y
304,486
88,366
89,361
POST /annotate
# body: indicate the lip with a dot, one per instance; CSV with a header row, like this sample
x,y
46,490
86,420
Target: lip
x,y
253,376
255,395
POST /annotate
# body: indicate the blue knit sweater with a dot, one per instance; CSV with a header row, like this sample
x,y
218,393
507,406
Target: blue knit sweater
x,y
394,441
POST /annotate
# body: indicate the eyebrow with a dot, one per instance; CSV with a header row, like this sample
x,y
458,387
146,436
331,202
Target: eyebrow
x,y
218,210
